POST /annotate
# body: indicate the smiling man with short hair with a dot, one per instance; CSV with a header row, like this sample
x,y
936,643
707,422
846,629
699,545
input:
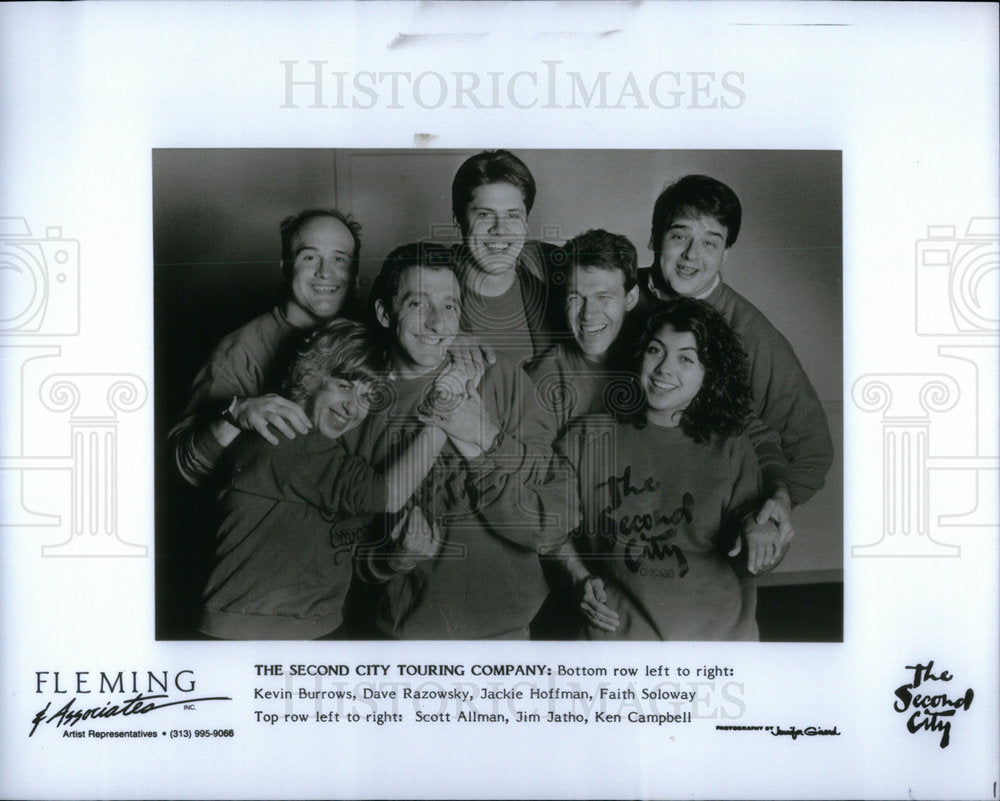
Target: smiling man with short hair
x,y
506,277
237,389
696,220
587,375
490,497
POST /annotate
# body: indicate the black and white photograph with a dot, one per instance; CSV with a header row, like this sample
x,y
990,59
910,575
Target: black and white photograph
x,y
417,281
499,400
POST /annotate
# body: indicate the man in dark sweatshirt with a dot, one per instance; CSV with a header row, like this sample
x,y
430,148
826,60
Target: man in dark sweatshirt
x,y
494,497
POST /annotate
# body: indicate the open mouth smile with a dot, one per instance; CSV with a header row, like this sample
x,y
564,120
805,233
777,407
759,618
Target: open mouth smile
x,y
661,387
339,419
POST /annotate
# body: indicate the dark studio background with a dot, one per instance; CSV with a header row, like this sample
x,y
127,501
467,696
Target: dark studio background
x,y
217,253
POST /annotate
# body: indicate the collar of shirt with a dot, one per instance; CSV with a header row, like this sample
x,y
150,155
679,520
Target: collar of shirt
x,y
659,293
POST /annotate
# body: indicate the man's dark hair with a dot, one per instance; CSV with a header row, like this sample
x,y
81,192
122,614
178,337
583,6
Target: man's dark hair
x,y
416,254
694,196
490,167
601,249
291,225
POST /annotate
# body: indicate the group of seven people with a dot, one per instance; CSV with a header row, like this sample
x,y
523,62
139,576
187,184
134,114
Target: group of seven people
x,y
513,425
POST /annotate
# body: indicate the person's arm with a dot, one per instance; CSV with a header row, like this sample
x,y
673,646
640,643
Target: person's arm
x,y
196,449
467,425
589,588
528,428
526,495
471,358
761,545
777,506
406,473
341,483
228,396
788,404
199,440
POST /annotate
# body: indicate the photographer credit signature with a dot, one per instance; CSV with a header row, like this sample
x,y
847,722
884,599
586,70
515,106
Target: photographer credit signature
x,y
808,731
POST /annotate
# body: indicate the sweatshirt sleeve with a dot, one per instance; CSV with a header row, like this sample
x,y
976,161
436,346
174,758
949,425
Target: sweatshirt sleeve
x,y
229,372
529,428
788,404
770,458
196,450
745,494
527,495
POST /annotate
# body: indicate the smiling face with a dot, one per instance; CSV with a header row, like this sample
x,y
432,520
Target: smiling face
x,y
424,319
671,375
495,226
596,305
691,254
339,406
322,271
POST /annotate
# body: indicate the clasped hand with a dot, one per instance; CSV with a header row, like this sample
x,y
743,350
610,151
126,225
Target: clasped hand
x,y
454,406
764,546
414,540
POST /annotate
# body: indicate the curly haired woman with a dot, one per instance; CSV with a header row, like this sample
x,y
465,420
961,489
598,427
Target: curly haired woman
x,y
669,493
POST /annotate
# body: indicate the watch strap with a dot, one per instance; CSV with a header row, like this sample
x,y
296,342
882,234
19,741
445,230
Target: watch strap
x,y
227,414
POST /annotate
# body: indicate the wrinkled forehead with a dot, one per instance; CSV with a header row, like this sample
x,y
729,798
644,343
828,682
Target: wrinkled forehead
x,y
435,282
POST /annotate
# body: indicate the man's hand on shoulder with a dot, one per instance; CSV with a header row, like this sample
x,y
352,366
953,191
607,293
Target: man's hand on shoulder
x,y
259,414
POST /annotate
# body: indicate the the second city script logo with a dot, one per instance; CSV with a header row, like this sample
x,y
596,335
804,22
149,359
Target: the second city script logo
x,y
930,710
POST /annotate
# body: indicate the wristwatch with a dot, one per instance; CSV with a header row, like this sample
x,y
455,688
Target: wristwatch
x,y
227,415
495,445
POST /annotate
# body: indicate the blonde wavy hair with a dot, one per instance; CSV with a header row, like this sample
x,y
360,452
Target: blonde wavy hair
x,y
341,349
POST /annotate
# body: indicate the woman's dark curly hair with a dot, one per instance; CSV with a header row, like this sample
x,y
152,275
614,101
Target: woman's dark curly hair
x,y
723,403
